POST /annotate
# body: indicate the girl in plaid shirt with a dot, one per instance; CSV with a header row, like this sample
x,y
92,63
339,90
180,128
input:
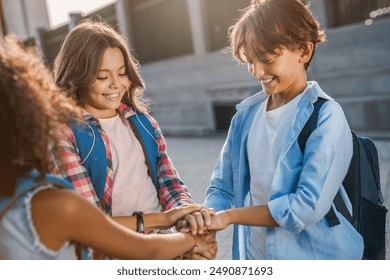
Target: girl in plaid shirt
x,y
40,217
96,69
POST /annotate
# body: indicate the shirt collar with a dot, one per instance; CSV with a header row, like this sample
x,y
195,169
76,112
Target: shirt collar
x,y
123,109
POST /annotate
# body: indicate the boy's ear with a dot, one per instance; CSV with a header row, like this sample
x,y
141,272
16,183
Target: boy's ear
x,y
306,52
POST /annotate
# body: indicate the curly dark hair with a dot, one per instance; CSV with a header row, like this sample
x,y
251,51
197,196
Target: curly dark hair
x,y
31,107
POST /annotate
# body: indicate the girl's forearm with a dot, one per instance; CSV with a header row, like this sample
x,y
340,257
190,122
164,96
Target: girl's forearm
x,y
151,221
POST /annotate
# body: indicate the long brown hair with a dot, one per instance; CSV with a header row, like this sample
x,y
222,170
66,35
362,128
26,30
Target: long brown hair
x,y
77,63
269,25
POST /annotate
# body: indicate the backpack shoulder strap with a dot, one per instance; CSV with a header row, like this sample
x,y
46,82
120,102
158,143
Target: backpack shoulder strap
x,y
311,124
309,127
92,153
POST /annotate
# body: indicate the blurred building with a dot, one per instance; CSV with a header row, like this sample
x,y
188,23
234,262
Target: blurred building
x,y
195,84
24,17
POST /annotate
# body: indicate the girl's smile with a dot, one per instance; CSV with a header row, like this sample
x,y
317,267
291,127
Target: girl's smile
x,y
105,94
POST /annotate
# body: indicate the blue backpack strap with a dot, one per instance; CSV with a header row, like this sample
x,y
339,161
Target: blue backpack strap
x,y
92,153
146,134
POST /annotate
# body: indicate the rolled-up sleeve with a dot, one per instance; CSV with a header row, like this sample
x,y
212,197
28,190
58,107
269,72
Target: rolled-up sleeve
x,y
326,160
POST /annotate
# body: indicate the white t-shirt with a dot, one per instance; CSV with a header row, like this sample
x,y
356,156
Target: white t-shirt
x,y
133,189
265,141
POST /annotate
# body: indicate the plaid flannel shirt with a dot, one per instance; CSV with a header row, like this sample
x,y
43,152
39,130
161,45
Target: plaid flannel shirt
x,y
67,164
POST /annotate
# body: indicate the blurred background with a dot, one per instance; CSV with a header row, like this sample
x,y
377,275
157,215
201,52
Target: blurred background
x,y
193,81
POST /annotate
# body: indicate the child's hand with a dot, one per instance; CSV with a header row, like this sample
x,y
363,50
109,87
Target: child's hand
x,y
172,216
206,247
210,254
219,221
196,222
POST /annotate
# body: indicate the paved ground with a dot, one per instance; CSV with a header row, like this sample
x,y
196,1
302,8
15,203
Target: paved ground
x,y
195,158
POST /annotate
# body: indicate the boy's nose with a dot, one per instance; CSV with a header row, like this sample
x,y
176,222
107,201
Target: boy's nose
x,y
256,70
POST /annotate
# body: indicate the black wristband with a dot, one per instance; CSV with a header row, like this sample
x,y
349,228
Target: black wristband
x,y
140,222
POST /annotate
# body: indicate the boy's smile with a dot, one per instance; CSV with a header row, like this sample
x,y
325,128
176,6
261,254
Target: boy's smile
x,y
282,76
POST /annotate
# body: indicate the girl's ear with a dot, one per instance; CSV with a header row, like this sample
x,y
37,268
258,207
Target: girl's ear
x,y
306,52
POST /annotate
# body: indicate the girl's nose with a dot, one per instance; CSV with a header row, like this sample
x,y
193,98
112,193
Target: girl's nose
x,y
115,83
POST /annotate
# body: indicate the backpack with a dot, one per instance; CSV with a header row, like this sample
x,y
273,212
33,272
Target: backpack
x,y
362,184
93,153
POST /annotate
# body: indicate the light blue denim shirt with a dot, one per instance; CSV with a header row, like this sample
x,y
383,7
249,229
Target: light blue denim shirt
x,y
19,239
302,189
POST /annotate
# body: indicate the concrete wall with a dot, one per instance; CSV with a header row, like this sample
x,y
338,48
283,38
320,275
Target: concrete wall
x,y
185,89
353,66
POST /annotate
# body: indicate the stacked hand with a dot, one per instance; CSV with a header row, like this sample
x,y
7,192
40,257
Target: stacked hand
x,y
197,223
202,223
203,249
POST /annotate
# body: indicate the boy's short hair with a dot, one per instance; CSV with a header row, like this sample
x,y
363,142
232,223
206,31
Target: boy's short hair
x,y
269,25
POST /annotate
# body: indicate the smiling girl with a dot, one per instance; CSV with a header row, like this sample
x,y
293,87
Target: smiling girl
x,y
126,169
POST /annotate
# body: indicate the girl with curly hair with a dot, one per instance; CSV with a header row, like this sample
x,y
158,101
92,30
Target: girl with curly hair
x,y
41,216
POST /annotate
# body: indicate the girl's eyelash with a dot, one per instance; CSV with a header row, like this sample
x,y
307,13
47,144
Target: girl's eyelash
x,y
103,78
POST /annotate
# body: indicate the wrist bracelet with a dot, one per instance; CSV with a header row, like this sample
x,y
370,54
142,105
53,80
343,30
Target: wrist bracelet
x,y
140,222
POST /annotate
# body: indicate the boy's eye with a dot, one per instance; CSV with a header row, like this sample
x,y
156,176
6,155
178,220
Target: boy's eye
x,y
102,78
122,74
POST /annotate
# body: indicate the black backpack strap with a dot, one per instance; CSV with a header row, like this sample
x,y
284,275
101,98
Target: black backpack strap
x,y
311,124
309,127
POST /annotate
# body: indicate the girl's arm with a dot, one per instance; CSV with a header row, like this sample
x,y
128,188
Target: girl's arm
x,y
161,220
71,218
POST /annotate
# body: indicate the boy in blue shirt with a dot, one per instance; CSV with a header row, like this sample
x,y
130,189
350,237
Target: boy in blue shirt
x,y
276,196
